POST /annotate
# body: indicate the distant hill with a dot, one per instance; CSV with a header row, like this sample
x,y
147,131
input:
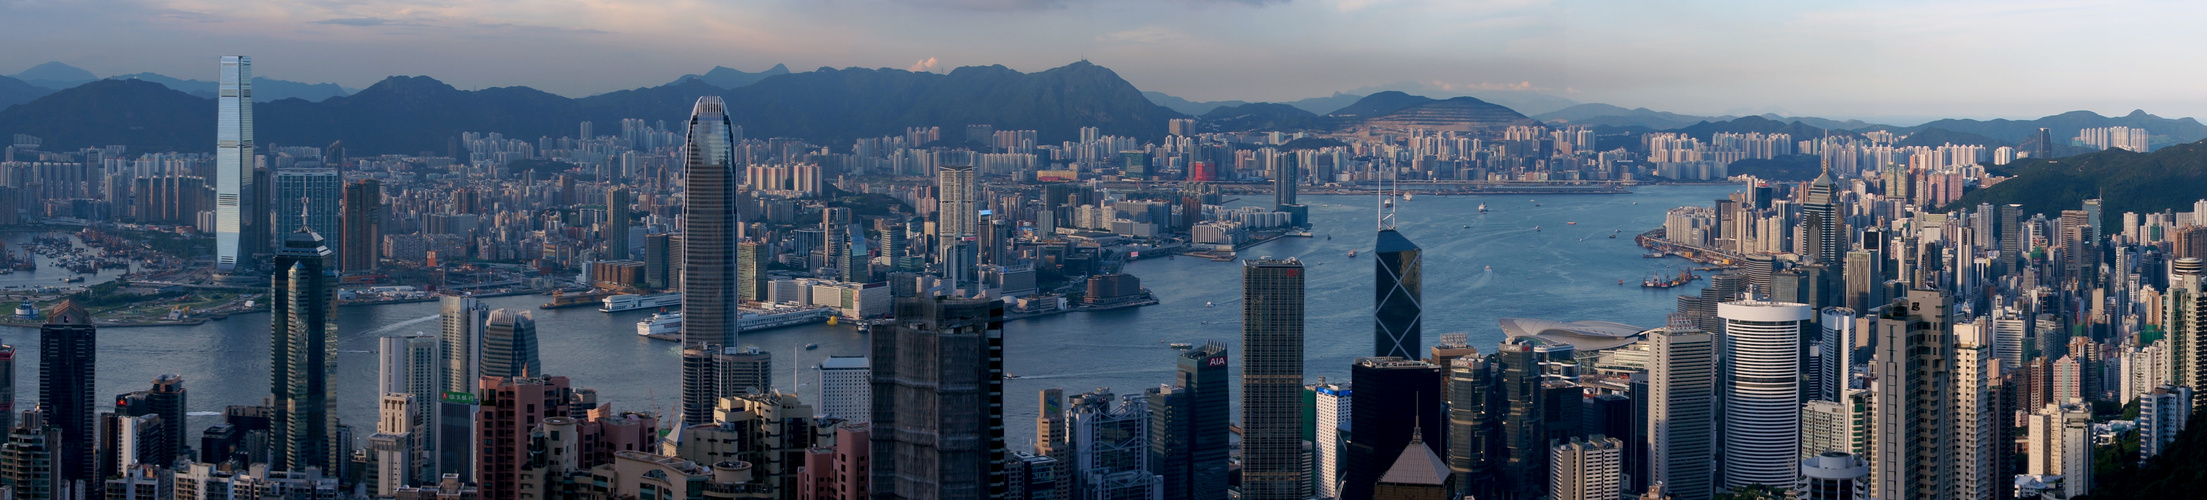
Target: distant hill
x,y
729,78
1187,107
1260,116
1746,124
1457,114
2064,127
13,92
2169,178
264,89
415,114
143,115
55,75
1598,114
1378,104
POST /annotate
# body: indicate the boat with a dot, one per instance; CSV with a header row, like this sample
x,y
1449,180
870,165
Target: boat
x,y
1536,229
660,324
631,302
1352,254
809,347
1482,208
1467,227
1182,346
1009,376
1571,223
1490,268
73,279
1406,197
1207,304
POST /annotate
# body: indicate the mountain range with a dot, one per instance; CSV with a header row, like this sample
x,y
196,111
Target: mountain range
x,y
414,114
729,78
2168,178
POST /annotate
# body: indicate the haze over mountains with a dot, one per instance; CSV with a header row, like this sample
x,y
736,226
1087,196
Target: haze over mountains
x,y
70,107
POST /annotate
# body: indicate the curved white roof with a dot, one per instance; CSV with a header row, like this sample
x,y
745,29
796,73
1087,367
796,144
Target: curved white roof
x,y
1581,335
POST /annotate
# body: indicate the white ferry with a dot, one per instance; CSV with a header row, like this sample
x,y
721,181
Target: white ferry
x,y
660,324
781,316
631,302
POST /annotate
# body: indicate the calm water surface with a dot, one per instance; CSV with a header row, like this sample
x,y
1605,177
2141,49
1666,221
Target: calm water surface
x,y
1562,272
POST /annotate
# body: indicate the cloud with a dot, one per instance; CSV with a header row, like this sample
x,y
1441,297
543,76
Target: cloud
x,y
1466,87
924,65
360,21
995,5
1147,34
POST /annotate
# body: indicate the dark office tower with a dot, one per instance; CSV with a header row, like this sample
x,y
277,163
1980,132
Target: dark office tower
x,y
938,388
616,223
1272,379
165,400
302,357
657,260
363,221
67,348
1189,423
509,345
1397,313
7,386
1392,395
1914,371
2011,237
709,227
1862,278
835,224
2045,144
1823,232
751,271
723,372
1473,431
1286,177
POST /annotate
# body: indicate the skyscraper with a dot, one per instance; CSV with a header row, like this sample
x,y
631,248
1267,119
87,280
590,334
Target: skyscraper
x,y
751,271
1586,469
509,345
1189,426
236,237
1332,433
7,386
28,461
1762,391
2061,445
1393,394
1914,372
68,347
363,239
1823,231
835,227
302,316
720,372
1272,379
2161,415
938,413
1834,475
461,343
1975,413
1835,355
957,222
1397,296
709,228
1111,448
1682,378
310,197
412,368
846,389
616,223
2184,316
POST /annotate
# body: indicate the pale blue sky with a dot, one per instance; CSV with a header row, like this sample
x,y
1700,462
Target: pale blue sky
x,y
2017,58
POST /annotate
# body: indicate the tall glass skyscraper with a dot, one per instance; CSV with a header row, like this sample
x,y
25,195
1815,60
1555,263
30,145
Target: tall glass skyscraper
x,y
68,348
957,215
235,236
303,357
1397,312
1188,428
709,227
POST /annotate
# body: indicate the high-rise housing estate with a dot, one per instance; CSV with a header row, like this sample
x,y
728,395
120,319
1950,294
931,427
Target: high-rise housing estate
x,y
1914,370
1976,412
363,221
2161,415
1397,295
68,348
2061,445
1394,394
938,415
1682,378
236,236
1834,475
846,388
1190,425
1272,379
957,216
302,313
510,346
1331,436
2184,317
1762,391
1591,468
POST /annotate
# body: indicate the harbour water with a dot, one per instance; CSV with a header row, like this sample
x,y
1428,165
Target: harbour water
x,y
1562,271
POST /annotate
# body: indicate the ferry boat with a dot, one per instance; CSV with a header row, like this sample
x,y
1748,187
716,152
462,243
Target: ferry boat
x,y
1406,197
1482,208
1181,346
1352,254
781,316
660,324
631,302
809,347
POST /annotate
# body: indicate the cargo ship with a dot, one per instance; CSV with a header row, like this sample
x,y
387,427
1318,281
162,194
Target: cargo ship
x,y
631,302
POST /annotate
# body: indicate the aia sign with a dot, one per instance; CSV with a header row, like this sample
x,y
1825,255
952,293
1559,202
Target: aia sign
x,y
1218,361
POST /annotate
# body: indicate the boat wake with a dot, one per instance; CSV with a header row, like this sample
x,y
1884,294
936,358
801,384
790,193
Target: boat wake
x,y
402,324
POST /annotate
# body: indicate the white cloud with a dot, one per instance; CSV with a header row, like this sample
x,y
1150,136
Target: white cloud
x,y
927,65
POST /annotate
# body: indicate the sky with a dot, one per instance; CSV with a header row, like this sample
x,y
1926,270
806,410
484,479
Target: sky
x,y
1865,59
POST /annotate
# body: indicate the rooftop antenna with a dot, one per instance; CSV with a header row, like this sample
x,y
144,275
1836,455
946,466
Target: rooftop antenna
x,y
1387,202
